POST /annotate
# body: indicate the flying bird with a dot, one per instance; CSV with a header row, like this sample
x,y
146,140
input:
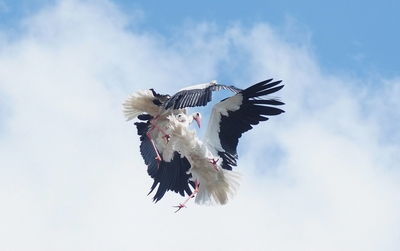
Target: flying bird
x,y
176,158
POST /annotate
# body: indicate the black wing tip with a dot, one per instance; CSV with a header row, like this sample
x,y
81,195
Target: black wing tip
x,y
253,110
228,160
263,88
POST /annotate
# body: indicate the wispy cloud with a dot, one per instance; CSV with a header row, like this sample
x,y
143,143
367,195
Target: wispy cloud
x,y
72,177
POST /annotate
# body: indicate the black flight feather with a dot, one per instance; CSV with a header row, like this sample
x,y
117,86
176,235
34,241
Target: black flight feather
x,y
168,176
251,111
196,97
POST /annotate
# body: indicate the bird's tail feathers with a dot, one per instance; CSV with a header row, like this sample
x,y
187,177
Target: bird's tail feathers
x,y
218,190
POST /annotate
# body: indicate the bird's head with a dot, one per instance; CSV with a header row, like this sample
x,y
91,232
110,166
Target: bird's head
x,y
182,118
197,117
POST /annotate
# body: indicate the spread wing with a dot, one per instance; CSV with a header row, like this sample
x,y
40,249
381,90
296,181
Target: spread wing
x,y
198,95
169,176
145,101
233,116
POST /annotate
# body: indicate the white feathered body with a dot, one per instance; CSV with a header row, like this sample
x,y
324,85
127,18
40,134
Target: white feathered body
x,y
217,185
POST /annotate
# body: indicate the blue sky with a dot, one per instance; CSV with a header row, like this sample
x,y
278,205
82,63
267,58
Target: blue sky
x,y
352,37
322,176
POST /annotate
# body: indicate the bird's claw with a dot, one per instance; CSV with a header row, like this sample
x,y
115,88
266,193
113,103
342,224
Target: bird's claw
x,y
214,162
180,206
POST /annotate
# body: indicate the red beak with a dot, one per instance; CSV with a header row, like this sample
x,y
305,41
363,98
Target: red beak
x,y
198,121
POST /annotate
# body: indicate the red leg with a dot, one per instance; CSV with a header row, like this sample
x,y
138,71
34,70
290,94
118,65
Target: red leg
x,y
196,190
166,136
158,157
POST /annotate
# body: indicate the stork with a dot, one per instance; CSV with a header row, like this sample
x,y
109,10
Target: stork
x,y
177,159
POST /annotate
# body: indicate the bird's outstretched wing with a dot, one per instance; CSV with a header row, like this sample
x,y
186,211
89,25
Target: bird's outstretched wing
x,y
144,102
235,115
197,95
167,175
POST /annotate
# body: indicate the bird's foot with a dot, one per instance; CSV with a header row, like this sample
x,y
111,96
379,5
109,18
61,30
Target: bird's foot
x,y
214,162
196,190
180,206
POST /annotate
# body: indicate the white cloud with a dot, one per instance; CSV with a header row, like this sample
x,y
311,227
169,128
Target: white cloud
x,y
72,178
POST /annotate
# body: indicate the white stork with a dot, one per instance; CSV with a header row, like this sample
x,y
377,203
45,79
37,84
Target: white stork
x,y
177,160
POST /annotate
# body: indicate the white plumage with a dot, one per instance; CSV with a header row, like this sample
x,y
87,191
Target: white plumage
x,y
140,102
216,184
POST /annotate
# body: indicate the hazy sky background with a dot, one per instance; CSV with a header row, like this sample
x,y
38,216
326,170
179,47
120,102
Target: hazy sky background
x,y
322,176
